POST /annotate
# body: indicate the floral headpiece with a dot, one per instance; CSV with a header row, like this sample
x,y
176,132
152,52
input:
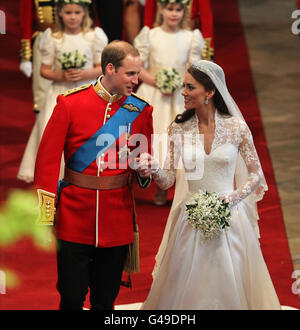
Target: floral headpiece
x,y
183,2
76,2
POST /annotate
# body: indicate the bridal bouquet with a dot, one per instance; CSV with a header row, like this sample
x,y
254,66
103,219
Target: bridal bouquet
x,y
168,80
207,213
72,60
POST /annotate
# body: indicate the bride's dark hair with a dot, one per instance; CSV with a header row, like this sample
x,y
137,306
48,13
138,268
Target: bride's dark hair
x,y
204,80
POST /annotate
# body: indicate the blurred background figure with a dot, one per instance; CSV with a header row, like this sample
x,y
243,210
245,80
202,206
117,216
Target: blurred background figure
x,y
35,17
110,15
71,57
170,45
201,18
120,19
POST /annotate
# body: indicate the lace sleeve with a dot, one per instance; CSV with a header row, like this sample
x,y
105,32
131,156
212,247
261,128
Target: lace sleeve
x,y
165,177
255,174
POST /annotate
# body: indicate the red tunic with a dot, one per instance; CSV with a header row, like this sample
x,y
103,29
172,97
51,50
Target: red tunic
x,y
75,119
202,10
34,16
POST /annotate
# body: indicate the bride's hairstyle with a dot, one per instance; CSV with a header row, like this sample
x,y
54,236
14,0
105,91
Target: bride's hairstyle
x,y
204,80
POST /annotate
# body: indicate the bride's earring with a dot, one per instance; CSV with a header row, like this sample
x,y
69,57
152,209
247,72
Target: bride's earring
x,y
206,100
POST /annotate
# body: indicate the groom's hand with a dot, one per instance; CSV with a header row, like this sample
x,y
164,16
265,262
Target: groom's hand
x,y
146,165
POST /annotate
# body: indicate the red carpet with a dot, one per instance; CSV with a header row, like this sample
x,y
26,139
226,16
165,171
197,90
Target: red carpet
x,y
36,269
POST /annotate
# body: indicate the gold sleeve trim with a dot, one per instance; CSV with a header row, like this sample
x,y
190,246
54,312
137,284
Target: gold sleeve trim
x,y
25,52
46,207
208,51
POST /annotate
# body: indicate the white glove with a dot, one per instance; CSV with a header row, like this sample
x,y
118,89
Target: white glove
x,y
147,165
26,68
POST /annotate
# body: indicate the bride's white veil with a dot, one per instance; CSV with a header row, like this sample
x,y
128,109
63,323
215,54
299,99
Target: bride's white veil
x,y
216,74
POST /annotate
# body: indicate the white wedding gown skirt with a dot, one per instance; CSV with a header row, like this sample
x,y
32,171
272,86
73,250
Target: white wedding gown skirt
x,y
224,273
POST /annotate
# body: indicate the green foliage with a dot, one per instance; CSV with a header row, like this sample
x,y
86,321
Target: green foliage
x,y
18,218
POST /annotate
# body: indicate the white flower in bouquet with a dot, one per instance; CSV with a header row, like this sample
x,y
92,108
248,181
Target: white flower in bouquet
x,y
72,60
208,214
168,80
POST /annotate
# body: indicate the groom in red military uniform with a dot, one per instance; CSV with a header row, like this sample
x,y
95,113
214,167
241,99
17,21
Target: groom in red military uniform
x,y
97,128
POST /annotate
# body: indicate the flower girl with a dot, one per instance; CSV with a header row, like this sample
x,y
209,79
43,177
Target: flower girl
x,y
166,50
71,56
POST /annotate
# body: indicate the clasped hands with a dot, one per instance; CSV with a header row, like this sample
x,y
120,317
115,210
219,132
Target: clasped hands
x,y
147,165
73,75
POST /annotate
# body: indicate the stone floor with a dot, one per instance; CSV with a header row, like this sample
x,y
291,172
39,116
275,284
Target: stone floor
x,y
274,56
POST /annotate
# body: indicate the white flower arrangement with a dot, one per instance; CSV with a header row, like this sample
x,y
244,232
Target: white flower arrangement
x,y
208,214
168,80
72,60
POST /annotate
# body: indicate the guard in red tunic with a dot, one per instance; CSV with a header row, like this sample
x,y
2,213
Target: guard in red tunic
x,y
101,129
201,17
35,17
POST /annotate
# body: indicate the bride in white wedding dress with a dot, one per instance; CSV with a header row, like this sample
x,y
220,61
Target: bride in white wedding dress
x,y
216,148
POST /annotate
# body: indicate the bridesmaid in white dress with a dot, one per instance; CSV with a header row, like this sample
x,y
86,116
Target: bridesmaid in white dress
x,y
73,34
216,145
171,44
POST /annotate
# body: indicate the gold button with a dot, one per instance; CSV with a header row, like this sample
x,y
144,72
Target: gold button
x,y
101,170
103,155
107,116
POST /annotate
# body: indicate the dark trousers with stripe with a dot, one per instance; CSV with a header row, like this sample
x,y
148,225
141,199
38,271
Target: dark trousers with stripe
x,y
82,266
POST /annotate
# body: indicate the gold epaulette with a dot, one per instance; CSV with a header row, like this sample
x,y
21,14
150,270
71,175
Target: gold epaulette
x,y
25,52
140,98
75,90
46,207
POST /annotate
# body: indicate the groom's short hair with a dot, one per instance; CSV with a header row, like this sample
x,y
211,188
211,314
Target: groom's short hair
x,y
115,52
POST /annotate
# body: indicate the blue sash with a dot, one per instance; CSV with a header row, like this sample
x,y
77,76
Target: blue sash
x,y
105,137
